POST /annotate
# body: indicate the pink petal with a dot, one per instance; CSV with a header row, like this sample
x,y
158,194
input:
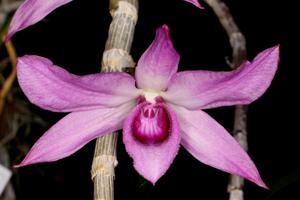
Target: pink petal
x,y
158,64
75,130
195,3
31,12
53,88
211,144
206,89
151,161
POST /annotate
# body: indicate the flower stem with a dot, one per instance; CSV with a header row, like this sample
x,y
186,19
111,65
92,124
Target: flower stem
x,y
115,58
7,85
239,54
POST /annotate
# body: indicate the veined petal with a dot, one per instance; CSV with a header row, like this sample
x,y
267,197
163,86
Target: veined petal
x,y
206,89
31,12
159,63
151,160
53,88
75,130
211,144
195,3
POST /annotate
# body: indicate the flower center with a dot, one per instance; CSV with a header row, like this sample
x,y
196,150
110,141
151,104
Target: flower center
x,y
152,124
151,96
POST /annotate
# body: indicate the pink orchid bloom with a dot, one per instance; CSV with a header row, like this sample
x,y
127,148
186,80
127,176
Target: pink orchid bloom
x,y
158,110
33,11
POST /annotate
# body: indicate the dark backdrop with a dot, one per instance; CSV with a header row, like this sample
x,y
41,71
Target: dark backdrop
x,y
74,36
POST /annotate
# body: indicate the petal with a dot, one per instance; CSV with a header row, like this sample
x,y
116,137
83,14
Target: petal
x,y
195,3
206,89
75,130
211,144
31,12
158,64
151,161
53,88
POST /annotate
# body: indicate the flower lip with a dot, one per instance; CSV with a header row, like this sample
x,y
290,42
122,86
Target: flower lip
x,y
152,124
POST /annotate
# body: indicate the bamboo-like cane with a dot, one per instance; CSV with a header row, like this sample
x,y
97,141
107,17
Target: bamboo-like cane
x,y
239,54
115,58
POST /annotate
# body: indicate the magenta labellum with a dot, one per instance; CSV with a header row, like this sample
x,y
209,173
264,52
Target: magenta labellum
x,y
152,124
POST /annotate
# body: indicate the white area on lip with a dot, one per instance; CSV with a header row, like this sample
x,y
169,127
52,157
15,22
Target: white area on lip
x,y
150,95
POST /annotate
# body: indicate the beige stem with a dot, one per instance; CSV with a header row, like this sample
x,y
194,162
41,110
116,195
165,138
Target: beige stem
x,y
239,54
115,58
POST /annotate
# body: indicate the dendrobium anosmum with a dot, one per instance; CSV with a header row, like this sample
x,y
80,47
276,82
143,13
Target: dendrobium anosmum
x,y
158,110
33,11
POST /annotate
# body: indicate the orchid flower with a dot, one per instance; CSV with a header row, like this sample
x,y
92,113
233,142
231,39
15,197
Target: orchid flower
x,y
33,11
158,110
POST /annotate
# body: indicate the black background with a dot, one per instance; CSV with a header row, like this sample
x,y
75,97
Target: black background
x,y
73,37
